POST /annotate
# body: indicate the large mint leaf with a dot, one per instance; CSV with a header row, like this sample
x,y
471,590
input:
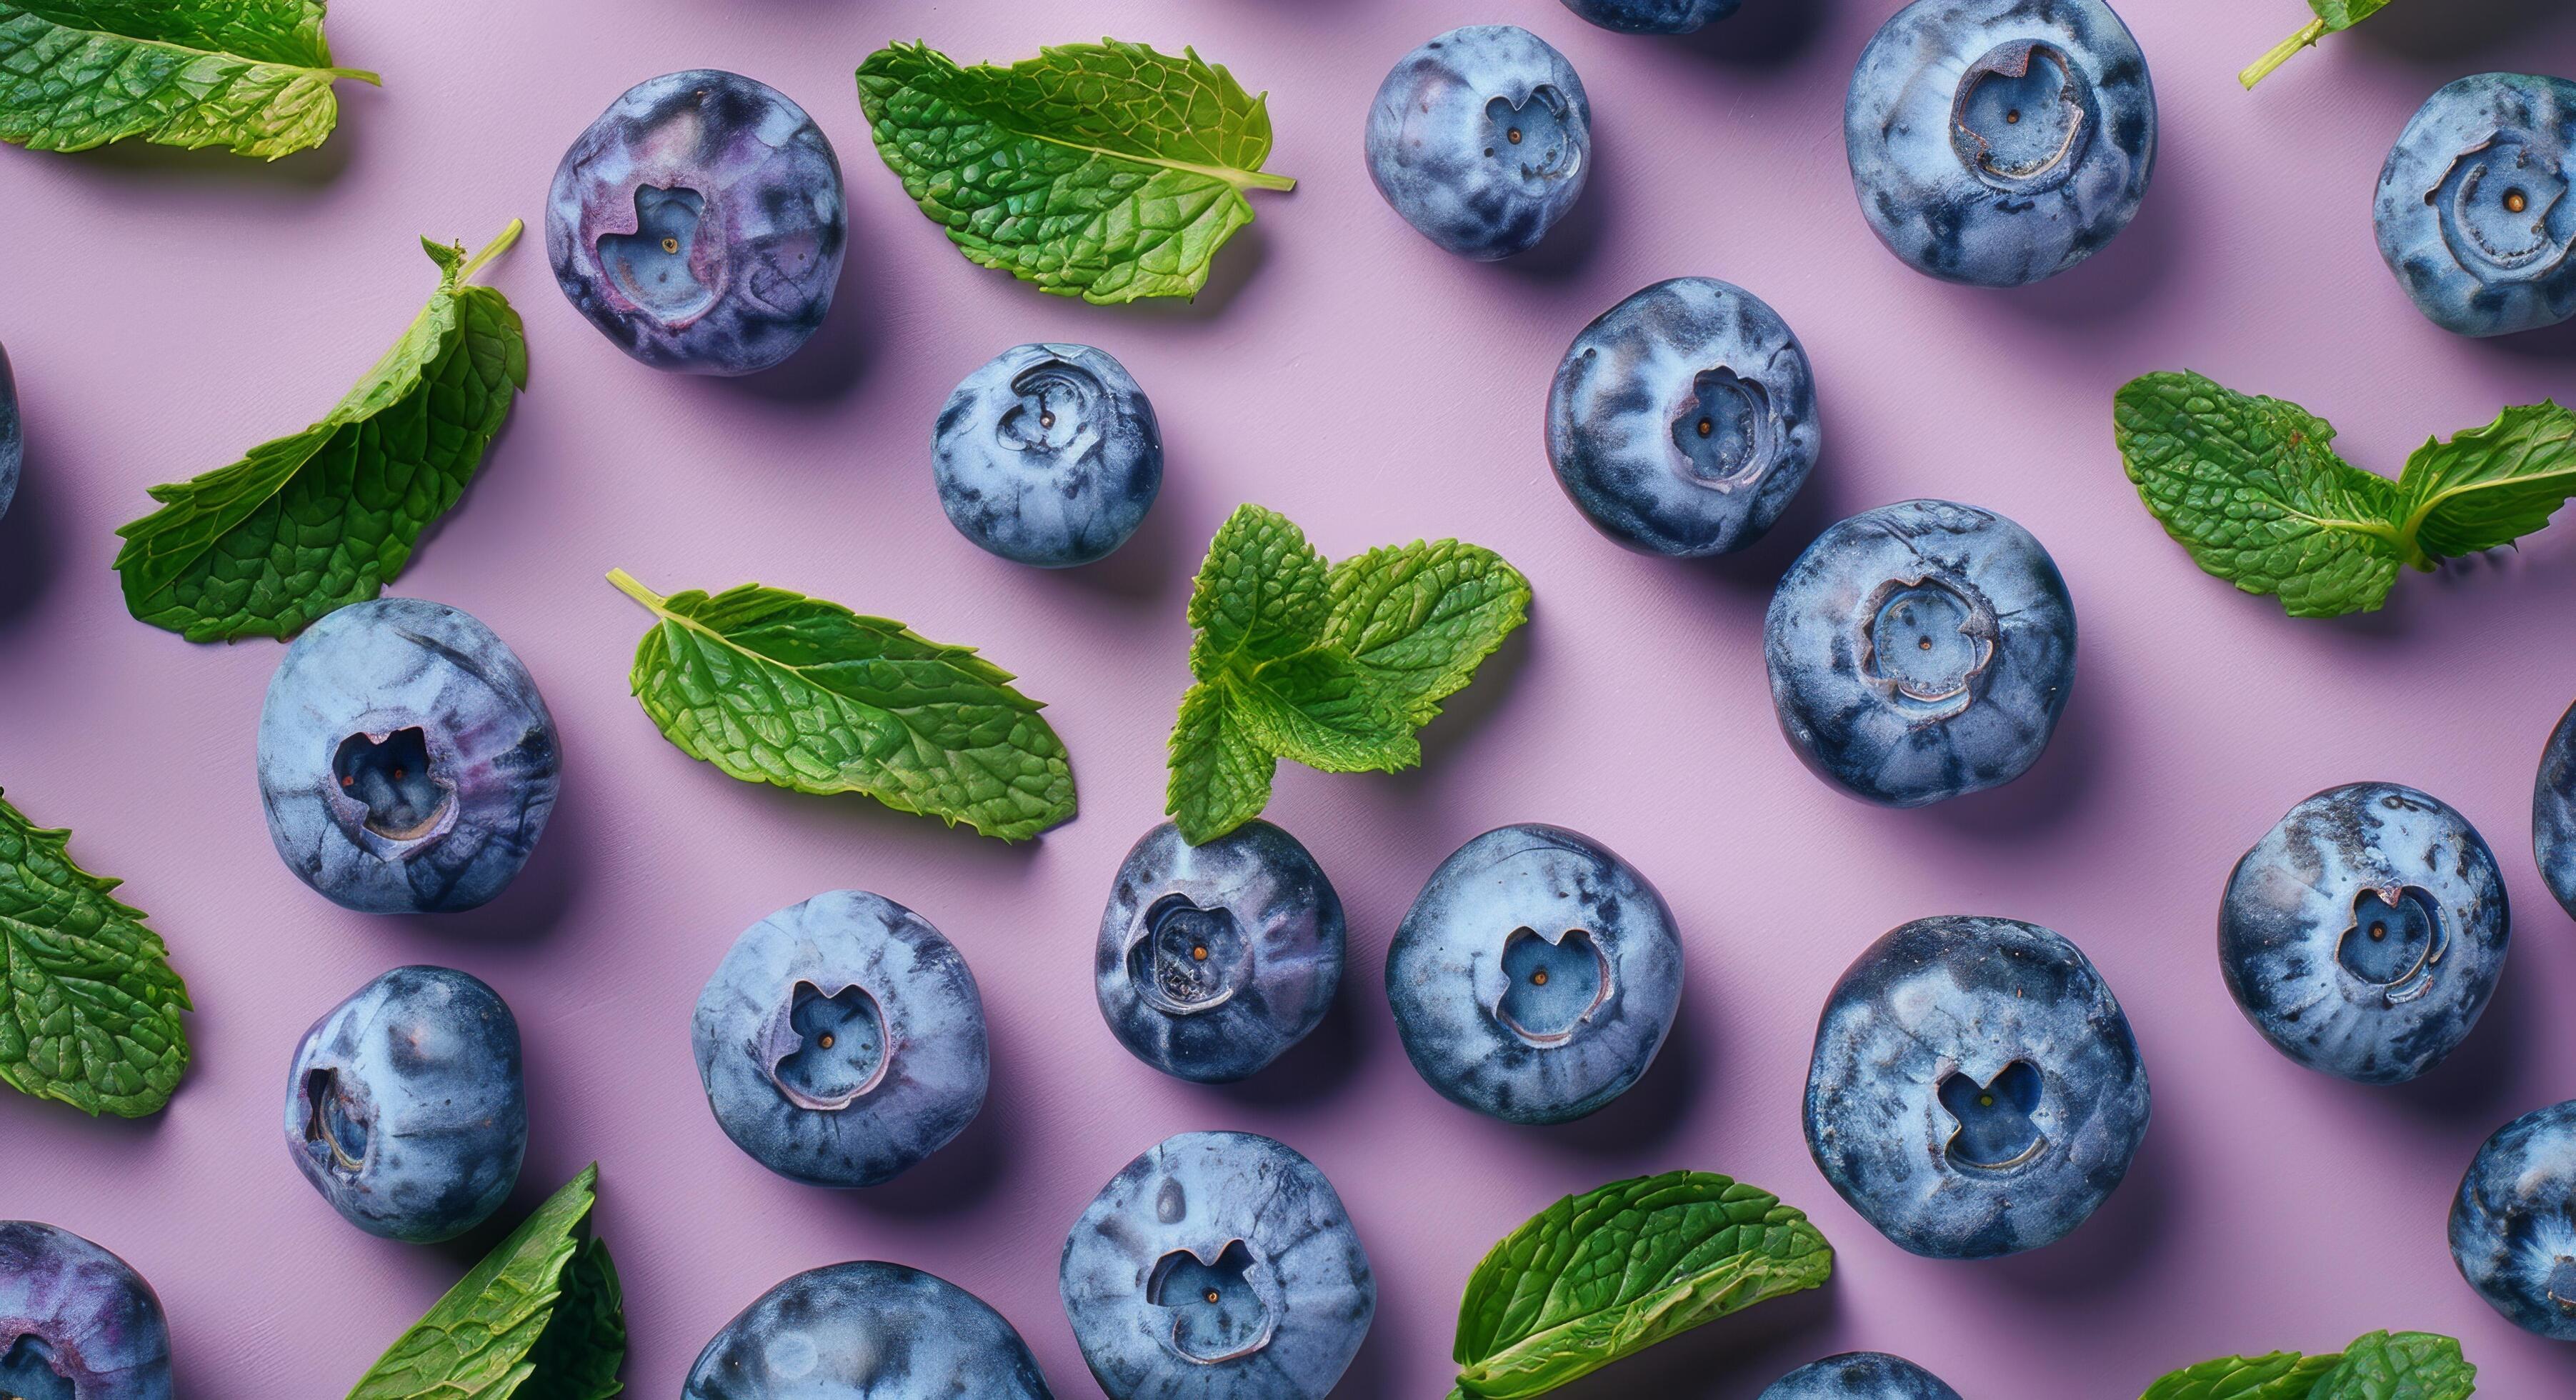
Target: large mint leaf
x,y
1220,773
2282,1375
1262,593
1601,1276
324,518
776,687
1106,171
2489,486
1420,618
2403,1366
253,76
89,1006
1324,710
583,1347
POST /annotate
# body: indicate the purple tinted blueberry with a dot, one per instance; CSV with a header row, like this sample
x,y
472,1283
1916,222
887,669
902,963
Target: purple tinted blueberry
x,y
1048,455
1860,1375
407,762
2513,1225
1217,1266
2364,934
406,1106
2553,812
1481,139
1653,16
842,1040
2475,213
882,1331
699,223
1975,1089
1214,959
13,434
1535,976
76,1322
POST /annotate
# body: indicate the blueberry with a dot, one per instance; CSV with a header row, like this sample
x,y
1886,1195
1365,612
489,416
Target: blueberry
x,y
1683,419
1481,139
76,1322
2553,813
1975,1089
13,439
2475,214
1653,16
1218,1266
1214,959
1919,651
2364,933
842,1040
882,1331
1535,976
1860,1375
1997,142
406,1106
1048,455
699,223
406,759
2513,1225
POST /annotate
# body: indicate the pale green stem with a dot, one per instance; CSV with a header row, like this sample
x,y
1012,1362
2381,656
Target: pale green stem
x,y
2281,53
628,585
356,75
493,249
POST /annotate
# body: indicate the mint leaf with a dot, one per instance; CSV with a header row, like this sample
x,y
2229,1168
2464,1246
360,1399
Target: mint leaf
x,y
324,518
2488,486
2282,1375
1106,171
1333,667
539,1319
1602,1276
89,1006
2333,17
253,76
776,687
2405,1366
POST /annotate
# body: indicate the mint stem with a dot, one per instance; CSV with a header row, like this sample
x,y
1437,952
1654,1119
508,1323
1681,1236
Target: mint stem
x,y
627,584
493,249
2281,53
355,75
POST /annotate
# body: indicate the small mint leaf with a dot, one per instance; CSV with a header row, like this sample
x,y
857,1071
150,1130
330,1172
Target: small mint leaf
x,y
1261,593
1220,773
2282,1375
1419,619
2403,1366
2488,486
1321,709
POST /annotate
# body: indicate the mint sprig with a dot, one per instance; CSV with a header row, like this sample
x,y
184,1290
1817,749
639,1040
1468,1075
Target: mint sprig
x,y
252,76
1335,667
2378,1366
2253,489
2333,17
1602,1276
1105,171
325,517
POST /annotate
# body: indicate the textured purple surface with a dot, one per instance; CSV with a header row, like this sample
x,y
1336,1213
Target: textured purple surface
x,y
164,312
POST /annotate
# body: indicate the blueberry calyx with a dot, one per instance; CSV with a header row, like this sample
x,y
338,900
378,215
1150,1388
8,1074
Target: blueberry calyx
x,y
1996,1131
1217,1311
1551,986
827,1050
1724,431
1058,413
663,268
1928,643
2022,117
390,787
28,1372
333,1126
2562,1285
2396,940
2495,204
1532,135
1185,959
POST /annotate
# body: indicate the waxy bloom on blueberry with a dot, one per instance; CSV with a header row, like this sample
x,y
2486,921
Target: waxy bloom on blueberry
x,y
842,1040
406,1106
2513,1225
1653,16
2553,812
1859,1375
76,1322
2474,212
1481,139
1218,1266
1214,959
1535,976
13,434
1919,651
1997,142
878,1331
2364,933
1683,419
1975,1089
1048,455
699,223
407,762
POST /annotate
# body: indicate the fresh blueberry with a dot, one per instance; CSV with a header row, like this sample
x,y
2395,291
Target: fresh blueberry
x,y
1214,959
13,435
1218,1266
1048,455
1481,139
1997,142
406,1106
1683,419
842,1040
699,223
76,1322
1860,1375
1535,976
2363,934
2513,1225
879,1331
1653,16
1975,1089
2553,813
1919,651
2474,210
406,759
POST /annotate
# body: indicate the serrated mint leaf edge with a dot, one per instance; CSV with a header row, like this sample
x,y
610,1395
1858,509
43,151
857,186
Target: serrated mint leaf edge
x,y
246,140
495,1367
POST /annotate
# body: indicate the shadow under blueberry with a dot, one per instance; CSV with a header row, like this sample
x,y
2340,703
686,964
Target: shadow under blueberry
x,y
28,553
1737,1355
1654,1110
2094,298
2480,1085
956,1178
2107,1251
2556,342
532,907
1764,34
1568,249
825,368
1155,564
2045,796
1314,1068
1757,568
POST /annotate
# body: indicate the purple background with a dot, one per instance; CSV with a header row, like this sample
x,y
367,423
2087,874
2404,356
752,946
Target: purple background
x,y
166,311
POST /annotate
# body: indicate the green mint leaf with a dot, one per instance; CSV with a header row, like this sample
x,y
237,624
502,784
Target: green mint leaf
x,y
776,687
1420,618
1263,593
2251,488
252,76
1220,772
2405,1366
2283,1375
89,1006
1602,1276
498,1334
2333,17
2489,486
1324,710
326,517
1106,171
